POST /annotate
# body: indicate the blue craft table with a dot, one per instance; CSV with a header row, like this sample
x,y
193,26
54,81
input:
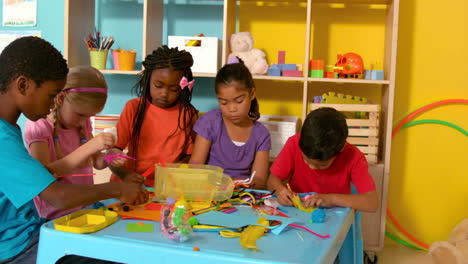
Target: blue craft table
x,y
114,243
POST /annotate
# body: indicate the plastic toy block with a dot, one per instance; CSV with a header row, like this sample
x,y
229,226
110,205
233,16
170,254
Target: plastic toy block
x,y
339,98
316,73
281,56
367,74
274,70
287,66
291,73
316,64
330,75
299,67
377,75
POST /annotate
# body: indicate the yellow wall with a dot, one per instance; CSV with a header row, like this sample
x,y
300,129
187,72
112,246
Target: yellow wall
x,y
428,190
277,26
429,170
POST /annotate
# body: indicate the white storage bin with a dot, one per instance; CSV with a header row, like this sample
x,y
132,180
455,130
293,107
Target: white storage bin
x,y
280,128
206,56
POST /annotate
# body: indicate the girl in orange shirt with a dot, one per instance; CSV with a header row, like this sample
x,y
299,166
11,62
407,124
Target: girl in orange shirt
x,y
157,126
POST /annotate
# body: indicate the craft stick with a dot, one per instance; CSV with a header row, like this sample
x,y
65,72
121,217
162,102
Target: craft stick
x,y
77,175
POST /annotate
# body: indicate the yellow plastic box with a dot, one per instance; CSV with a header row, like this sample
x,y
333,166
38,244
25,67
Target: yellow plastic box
x,y
85,221
192,182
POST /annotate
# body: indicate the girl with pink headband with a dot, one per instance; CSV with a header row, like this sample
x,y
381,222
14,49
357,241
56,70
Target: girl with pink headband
x,y
63,141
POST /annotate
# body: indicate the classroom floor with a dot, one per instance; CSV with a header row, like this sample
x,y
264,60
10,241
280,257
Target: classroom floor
x,y
390,255
393,254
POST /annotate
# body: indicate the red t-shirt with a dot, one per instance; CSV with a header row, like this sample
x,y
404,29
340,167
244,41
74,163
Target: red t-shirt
x,y
349,166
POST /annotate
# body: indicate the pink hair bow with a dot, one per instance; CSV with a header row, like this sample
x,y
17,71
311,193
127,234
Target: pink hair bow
x,y
184,83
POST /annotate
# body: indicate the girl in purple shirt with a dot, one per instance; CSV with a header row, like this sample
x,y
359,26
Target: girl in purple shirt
x,y
230,137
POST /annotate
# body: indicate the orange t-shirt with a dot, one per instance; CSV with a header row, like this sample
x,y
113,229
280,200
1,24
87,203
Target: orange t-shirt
x,y
156,145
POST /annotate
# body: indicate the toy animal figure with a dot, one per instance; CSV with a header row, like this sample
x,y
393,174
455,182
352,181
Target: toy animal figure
x,y
242,47
349,65
455,249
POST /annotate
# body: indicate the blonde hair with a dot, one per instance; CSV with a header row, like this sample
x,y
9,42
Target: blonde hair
x,y
80,77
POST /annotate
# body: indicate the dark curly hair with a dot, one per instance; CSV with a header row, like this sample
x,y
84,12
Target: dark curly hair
x,y
323,134
34,58
176,60
240,73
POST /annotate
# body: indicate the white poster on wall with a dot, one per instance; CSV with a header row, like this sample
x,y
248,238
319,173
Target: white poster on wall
x,y
19,13
7,36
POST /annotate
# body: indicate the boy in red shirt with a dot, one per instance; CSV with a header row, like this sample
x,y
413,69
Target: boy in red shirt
x,y
320,160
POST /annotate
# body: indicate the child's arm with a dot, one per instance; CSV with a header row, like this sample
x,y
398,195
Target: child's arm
x,y
98,158
367,202
284,194
200,150
123,173
64,196
40,151
260,167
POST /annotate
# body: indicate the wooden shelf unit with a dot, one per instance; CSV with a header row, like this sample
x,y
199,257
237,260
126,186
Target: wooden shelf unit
x,y
80,20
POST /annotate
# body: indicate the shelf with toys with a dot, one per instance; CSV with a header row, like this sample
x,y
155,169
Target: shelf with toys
x,y
304,29
296,33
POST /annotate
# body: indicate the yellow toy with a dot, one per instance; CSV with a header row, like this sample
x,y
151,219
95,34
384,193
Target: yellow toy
x,y
86,221
455,250
250,235
298,204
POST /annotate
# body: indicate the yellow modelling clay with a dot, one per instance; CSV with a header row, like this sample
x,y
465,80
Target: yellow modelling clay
x,y
298,204
248,237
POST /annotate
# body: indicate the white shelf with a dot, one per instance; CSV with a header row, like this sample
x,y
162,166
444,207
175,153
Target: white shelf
x,y
336,80
201,74
120,72
135,72
278,78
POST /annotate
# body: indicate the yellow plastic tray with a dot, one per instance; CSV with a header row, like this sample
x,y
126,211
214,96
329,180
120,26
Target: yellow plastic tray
x,y
86,221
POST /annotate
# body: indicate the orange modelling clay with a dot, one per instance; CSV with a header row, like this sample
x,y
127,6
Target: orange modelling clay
x,y
196,249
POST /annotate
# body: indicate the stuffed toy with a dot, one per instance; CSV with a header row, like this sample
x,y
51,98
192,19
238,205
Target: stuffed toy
x,y
453,251
242,47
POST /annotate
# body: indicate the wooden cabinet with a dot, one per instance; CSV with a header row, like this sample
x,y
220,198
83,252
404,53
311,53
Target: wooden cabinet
x,y
320,28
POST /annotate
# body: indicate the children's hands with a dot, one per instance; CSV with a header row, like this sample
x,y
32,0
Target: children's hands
x,y
102,141
116,160
132,194
319,200
285,196
133,177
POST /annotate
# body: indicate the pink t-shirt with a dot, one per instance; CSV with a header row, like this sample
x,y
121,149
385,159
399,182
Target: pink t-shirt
x,y
42,130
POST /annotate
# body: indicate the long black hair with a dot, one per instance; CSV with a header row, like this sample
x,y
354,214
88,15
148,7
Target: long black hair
x,y
240,73
176,60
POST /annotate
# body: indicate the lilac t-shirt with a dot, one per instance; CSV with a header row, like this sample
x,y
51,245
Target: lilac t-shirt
x,y
42,130
235,160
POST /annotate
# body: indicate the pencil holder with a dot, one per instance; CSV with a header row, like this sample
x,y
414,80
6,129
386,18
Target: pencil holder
x,y
127,60
115,59
98,59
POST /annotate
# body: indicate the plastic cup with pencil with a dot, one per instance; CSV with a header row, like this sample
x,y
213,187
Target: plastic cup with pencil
x,y
98,47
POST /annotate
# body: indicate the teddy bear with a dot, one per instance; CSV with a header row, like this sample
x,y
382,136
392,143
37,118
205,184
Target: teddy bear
x,y
455,250
242,47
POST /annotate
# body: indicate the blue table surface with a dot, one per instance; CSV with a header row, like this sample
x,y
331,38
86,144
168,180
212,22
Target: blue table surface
x,y
114,243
